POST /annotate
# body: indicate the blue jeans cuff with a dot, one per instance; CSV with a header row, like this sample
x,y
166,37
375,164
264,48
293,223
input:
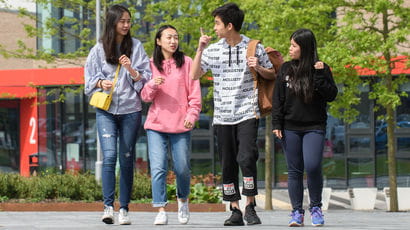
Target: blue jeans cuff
x,y
159,204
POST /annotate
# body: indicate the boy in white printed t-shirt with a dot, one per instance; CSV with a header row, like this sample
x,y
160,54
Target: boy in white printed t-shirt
x,y
235,106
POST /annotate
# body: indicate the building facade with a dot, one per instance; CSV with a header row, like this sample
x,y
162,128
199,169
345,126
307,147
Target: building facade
x,y
39,131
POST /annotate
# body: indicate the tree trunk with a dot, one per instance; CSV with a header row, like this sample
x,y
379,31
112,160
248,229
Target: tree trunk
x,y
268,163
391,149
391,158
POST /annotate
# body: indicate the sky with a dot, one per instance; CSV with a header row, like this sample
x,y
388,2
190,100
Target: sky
x,y
15,4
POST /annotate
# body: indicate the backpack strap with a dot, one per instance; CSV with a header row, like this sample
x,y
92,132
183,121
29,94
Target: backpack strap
x,y
250,53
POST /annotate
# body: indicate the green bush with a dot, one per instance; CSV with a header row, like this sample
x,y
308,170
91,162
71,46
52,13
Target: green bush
x,y
83,187
50,186
203,189
11,185
142,187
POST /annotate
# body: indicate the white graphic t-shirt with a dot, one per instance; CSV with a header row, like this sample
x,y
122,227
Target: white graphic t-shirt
x,y
235,100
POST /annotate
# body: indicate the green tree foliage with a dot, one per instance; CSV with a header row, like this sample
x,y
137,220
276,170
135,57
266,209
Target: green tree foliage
x,y
371,34
78,23
350,33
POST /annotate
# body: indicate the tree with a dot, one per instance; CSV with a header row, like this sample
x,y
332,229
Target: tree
x,y
371,34
72,24
72,21
354,39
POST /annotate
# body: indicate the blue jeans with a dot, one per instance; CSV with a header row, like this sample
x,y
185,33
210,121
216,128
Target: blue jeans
x,y
123,128
304,151
158,155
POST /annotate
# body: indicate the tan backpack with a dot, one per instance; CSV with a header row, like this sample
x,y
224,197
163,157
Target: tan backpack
x,y
265,86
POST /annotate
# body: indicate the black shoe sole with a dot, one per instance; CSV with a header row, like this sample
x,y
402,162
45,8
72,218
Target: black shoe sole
x,y
108,220
252,223
234,224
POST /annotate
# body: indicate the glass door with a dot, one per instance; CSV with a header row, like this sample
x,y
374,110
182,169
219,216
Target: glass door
x,y
9,136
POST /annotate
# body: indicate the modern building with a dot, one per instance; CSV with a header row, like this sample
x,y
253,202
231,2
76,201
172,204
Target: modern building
x,y
61,135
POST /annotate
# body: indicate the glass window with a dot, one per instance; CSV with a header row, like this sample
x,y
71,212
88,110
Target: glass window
x,y
201,166
360,145
200,146
382,171
364,108
360,171
9,138
50,138
73,131
260,167
204,123
403,172
334,173
65,38
335,137
260,142
403,112
90,140
281,171
403,144
381,137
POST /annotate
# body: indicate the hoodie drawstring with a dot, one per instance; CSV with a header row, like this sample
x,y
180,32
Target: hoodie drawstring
x,y
237,55
229,64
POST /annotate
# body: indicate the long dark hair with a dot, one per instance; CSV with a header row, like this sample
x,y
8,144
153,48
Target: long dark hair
x,y
113,16
159,57
301,71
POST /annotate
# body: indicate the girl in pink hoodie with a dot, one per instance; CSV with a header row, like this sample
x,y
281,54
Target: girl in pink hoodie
x,y
176,104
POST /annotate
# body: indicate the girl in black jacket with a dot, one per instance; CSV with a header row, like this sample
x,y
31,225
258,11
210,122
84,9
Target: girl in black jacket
x,y
303,87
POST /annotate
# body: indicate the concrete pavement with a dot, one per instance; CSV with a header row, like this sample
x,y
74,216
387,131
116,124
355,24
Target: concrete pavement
x,y
341,219
339,216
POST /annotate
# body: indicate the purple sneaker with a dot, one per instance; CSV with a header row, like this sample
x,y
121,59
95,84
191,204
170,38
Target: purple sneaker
x,y
317,216
297,219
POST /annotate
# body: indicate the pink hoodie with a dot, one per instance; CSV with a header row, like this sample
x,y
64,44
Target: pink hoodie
x,y
176,100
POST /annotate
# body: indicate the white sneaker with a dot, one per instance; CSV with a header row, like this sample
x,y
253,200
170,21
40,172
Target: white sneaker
x,y
123,217
108,216
183,212
161,218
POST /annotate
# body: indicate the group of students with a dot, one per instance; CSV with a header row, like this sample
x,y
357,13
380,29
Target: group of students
x,y
169,81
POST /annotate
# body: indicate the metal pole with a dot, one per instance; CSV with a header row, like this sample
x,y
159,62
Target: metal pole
x,y
97,19
98,163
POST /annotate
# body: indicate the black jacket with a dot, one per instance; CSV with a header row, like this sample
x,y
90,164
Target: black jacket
x,y
291,112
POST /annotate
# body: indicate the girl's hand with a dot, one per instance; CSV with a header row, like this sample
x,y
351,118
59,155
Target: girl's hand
x,y
188,124
319,65
125,61
106,84
159,80
278,133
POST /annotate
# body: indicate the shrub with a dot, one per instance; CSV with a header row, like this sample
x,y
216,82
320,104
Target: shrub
x,y
203,188
142,187
50,186
83,187
11,185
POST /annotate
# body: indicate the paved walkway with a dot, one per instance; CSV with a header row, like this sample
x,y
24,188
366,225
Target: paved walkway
x,y
339,199
339,216
341,219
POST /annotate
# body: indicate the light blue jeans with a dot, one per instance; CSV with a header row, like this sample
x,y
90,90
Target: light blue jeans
x,y
158,143
123,128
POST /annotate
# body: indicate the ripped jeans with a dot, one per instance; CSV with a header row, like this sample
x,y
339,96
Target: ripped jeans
x,y
123,128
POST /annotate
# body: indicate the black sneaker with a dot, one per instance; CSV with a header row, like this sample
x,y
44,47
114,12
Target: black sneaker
x,y
250,215
235,219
